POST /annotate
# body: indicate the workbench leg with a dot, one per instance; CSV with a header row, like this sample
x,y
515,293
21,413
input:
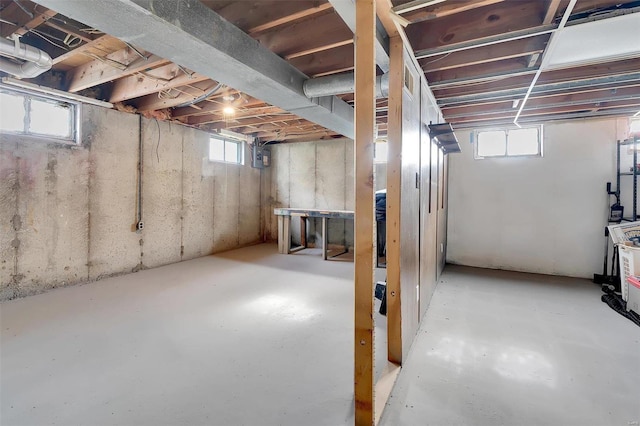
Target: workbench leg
x,y
281,249
303,231
286,234
325,235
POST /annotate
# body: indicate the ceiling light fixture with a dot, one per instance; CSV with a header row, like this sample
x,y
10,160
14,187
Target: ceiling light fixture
x,y
228,110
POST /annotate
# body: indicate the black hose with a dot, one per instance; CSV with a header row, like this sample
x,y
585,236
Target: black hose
x,y
616,303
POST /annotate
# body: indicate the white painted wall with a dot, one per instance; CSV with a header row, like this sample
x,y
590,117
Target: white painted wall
x,y
543,215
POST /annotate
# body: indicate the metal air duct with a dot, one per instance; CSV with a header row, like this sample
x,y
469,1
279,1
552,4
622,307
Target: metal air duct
x,y
37,61
341,83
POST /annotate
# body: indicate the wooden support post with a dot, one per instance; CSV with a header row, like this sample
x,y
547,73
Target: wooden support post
x,y
365,75
325,236
394,174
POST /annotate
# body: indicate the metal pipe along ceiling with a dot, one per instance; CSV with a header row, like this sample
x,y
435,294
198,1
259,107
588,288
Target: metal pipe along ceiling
x,y
37,61
341,83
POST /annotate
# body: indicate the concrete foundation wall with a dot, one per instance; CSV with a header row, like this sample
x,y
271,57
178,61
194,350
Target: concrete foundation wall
x,y
68,213
312,175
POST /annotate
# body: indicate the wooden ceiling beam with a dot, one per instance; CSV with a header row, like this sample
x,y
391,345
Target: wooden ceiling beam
x,y
70,30
384,11
615,87
100,46
507,82
160,79
497,52
215,104
302,36
549,16
24,22
289,18
326,135
116,65
507,16
253,16
301,124
339,58
285,135
232,124
556,100
286,130
176,96
447,8
544,111
540,119
476,72
218,116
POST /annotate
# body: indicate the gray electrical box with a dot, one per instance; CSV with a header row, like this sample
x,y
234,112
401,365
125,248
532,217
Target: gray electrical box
x,y
260,156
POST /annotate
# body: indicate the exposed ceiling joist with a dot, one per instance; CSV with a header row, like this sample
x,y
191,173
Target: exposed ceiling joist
x,y
618,111
173,97
549,16
215,104
442,9
347,11
95,43
116,65
191,34
532,31
633,104
21,22
487,41
231,124
146,82
534,104
567,86
289,18
301,37
252,113
493,53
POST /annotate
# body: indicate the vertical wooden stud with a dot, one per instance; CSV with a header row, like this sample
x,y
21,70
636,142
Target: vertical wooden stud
x,y
364,204
394,174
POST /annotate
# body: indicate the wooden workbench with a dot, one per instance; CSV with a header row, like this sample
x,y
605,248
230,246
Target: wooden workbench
x,y
284,227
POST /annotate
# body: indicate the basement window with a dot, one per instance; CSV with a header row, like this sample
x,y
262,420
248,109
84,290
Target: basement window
x,y
226,151
23,113
524,142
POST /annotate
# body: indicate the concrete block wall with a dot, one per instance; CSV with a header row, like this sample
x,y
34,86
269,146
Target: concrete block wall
x,y
67,213
314,175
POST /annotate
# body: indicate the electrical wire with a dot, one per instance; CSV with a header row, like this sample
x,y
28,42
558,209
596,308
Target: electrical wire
x,y
24,9
42,36
136,50
158,143
201,97
439,59
91,31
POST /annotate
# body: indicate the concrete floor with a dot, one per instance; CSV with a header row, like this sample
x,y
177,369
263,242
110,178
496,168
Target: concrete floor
x,y
504,348
251,337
